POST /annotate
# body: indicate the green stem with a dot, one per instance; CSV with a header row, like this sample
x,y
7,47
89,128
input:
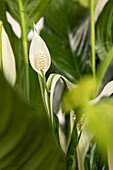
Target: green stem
x,y
25,48
1,62
44,79
93,37
41,83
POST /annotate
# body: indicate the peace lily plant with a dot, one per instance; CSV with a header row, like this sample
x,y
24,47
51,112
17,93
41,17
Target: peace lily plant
x,y
40,61
79,113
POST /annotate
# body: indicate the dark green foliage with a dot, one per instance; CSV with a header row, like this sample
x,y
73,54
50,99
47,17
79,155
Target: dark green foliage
x,y
67,34
26,139
95,160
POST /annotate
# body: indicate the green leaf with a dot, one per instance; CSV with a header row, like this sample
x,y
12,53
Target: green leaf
x,y
50,98
67,34
100,120
33,10
26,138
80,95
104,41
104,36
96,158
85,3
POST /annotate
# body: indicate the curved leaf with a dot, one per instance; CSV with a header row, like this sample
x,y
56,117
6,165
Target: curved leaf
x,y
26,139
67,34
104,35
104,42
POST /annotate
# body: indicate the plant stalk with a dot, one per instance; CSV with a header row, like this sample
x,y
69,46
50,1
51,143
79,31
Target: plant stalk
x,y
1,62
93,37
44,79
25,49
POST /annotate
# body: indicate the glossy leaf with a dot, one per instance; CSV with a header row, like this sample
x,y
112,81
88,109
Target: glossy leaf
x,y
26,138
68,37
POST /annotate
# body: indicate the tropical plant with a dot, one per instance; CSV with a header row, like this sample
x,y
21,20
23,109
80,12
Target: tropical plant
x,y
56,106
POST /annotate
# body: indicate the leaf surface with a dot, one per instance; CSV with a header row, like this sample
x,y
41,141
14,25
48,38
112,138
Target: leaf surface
x,y
67,34
26,138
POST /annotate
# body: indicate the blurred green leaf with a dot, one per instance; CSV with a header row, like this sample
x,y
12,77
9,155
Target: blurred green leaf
x,y
26,139
100,119
85,3
67,34
79,96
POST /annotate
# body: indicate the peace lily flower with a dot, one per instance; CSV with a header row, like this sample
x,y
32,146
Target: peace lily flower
x,y
39,55
7,59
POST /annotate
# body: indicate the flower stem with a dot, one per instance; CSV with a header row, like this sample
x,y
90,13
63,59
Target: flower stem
x,y
44,79
1,63
93,37
25,49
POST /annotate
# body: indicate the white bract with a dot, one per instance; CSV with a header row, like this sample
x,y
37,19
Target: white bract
x,y
7,59
39,55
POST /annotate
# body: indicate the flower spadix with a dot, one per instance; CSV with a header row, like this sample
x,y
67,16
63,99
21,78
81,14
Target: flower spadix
x,y
39,54
7,59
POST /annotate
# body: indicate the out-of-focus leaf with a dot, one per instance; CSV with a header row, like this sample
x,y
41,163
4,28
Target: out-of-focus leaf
x,y
79,96
100,118
85,3
67,34
110,159
33,10
106,92
26,139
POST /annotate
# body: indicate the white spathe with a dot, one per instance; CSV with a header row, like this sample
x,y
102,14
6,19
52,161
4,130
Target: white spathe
x,y
39,26
39,54
8,59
